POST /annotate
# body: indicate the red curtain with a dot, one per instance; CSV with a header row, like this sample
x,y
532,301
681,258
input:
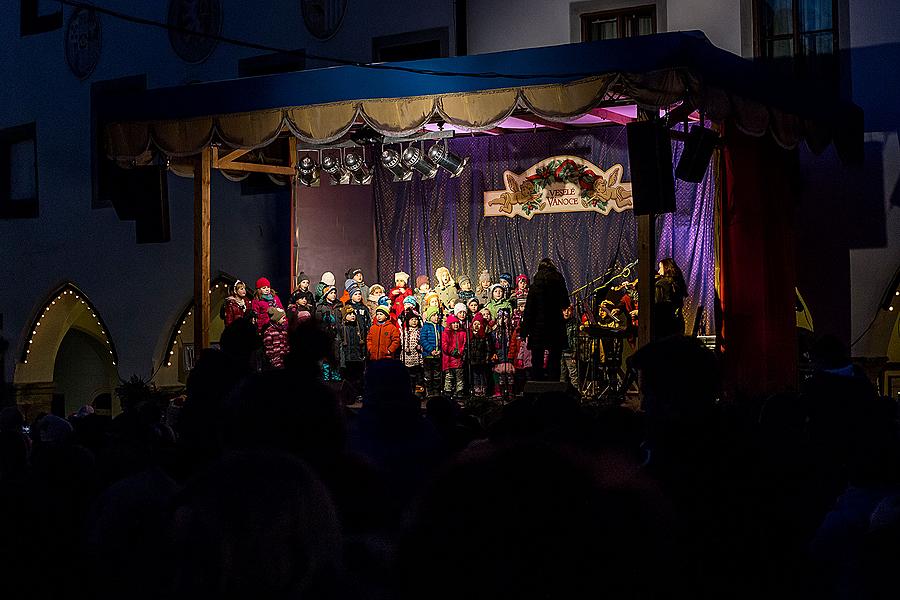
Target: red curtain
x,y
757,276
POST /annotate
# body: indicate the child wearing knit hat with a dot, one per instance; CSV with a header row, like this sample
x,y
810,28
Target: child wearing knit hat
x,y
353,349
264,298
430,343
383,340
328,312
411,350
275,337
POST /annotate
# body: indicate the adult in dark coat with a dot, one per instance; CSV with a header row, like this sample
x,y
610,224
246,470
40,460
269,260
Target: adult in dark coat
x,y
542,322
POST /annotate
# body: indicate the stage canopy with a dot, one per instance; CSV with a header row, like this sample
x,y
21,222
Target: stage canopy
x,y
681,71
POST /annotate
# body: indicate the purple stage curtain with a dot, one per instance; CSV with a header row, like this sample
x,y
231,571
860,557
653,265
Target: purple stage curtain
x,y
422,225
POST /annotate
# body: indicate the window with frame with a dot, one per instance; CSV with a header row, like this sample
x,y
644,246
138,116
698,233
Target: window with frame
x,y
615,24
18,173
800,34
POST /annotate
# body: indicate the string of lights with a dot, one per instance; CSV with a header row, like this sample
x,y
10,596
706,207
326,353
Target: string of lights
x,y
331,59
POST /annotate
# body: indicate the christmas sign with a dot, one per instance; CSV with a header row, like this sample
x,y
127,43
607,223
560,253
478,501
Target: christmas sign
x,y
560,184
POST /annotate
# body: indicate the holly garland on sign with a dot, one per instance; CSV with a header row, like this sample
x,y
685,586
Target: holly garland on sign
x,y
567,171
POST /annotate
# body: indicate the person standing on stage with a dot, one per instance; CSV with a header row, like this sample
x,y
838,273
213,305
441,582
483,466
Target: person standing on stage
x,y
356,275
465,289
569,366
430,343
498,301
275,338
330,315
542,324
483,293
423,288
446,287
411,350
264,298
353,348
327,279
363,317
480,353
302,299
398,294
453,348
237,305
383,340
668,304
376,291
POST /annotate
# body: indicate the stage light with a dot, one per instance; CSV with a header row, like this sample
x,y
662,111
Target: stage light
x,y
391,161
359,172
307,171
333,167
442,157
414,158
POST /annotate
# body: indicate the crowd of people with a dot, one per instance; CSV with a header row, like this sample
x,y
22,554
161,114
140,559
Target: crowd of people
x,y
453,339
264,485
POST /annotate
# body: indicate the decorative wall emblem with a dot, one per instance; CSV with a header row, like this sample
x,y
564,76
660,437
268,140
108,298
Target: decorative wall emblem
x,y
560,184
84,42
323,18
192,22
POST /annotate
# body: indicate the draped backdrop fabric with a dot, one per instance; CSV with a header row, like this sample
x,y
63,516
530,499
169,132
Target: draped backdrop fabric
x,y
422,225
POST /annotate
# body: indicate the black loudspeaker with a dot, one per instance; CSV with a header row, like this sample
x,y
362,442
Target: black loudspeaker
x,y
149,193
698,149
650,155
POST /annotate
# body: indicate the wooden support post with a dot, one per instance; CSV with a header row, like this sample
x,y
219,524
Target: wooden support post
x,y
201,249
646,276
293,159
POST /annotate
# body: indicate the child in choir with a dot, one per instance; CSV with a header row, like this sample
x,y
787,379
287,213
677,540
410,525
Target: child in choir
x,y
237,306
275,338
302,299
498,301
356,275
411,350
432,299
363,317
383,340
353,349
398,294
569,363
465,289
453,348
480,352
327,279
423,287
410,306
521,356
430,342
473,305
264,299
376,291
484,287
522,284
506,280
462,313
445,287
328,312
504,369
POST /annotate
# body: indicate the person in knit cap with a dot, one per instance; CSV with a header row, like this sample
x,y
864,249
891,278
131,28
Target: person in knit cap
x,y
353,348
498,301
473,305
376,291
445,287
506,280
400,292
480,353
356,274
363,317
275,337
430,343
522,284
383,340
302,298
423,287
237,306
264,298
453,349
410,306
327,279
466,292
328,312
483,293
411,349
432,298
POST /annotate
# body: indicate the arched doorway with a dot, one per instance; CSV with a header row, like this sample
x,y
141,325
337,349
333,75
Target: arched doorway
x,y
172,367
68,357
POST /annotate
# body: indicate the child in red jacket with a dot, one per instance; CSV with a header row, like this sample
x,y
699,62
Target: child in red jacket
x,y
453,348
383,339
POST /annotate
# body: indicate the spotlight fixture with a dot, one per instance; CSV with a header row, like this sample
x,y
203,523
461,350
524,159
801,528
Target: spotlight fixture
x,y
307,171
359,172
442,157
391,161
414,158
333,167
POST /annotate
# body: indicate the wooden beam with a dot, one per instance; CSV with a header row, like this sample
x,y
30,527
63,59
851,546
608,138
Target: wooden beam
x,y
293,159
256,168
231,156
542,122
202,169
610,115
